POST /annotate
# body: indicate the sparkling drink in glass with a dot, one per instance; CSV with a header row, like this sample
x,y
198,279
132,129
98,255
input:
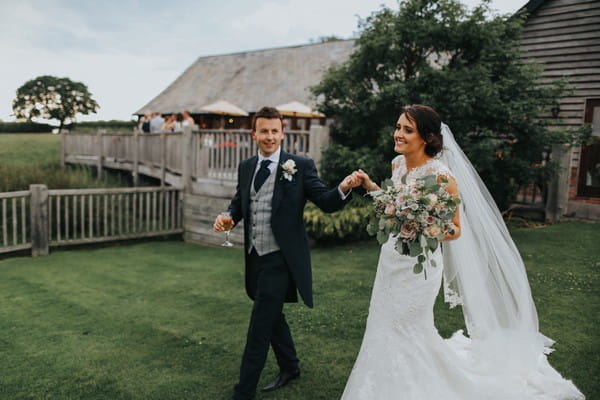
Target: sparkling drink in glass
x,y
227,227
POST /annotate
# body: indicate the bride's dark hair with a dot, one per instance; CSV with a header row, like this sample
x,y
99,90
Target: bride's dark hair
x,y
429,125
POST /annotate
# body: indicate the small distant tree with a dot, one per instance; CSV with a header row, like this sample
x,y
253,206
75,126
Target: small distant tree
x,y
326,39
50,97
466,65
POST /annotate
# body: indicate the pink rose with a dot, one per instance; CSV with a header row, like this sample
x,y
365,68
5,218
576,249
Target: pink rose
x,y
408,231
389,209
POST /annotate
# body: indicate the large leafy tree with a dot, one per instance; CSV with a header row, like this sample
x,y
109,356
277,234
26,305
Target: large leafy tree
x,y
466,65
50,97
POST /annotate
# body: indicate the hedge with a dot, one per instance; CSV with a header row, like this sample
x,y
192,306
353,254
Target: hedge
x,y
95,125
25,127
348,224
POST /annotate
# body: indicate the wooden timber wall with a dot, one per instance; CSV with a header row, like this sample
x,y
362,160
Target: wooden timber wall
x,y
564,35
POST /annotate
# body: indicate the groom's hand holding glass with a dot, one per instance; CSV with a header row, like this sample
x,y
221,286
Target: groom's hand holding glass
x,y
222,223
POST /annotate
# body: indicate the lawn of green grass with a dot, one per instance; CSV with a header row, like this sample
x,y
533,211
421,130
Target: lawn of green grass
x,y
167,320
25,149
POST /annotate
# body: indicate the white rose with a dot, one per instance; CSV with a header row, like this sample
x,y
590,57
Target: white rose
x,y
432,199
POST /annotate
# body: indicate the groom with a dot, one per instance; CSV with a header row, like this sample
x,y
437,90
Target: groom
x,y
271,192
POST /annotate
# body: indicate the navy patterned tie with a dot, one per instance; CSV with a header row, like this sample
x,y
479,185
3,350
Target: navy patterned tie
x,y
262,174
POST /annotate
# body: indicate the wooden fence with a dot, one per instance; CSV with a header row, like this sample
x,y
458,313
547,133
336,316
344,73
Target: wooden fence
x,y
15,221
173,157
197,160
40,218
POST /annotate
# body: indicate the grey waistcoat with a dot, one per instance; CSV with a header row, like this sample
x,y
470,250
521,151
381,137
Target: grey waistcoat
x,y
261,234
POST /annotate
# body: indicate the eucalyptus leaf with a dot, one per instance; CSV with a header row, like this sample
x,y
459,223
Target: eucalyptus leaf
x,y
372,229
421,258
432,244
415,249
388,183
382,237
430,180
418,268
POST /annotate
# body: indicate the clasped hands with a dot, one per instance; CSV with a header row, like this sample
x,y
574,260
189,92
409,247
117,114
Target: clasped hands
x,y
355,179
358,178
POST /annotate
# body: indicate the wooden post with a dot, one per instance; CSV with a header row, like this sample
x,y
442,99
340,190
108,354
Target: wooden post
x,y
99,152
163,159
39,220
558,187
318,141
186,152
205,142
136,158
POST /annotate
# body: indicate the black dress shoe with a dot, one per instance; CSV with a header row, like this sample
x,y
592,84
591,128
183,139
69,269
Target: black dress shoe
x,y
282,379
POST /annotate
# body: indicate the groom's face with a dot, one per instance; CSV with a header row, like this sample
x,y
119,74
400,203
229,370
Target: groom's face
x,y
268,135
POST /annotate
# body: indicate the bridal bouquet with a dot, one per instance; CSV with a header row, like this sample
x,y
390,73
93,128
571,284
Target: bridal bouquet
x,y
417,215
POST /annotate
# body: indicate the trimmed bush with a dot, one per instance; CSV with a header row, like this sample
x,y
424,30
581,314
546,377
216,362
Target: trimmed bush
x,y
29,127
95,125
348,224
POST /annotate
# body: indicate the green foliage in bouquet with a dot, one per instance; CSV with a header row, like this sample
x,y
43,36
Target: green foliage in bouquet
x,y
417,215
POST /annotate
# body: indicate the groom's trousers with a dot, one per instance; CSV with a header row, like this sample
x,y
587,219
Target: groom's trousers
x,y
271,276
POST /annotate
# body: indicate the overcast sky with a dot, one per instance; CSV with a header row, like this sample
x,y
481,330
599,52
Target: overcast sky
x,y
128,51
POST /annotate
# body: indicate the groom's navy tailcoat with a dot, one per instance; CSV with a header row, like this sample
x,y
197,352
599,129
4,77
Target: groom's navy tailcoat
x,y
289,198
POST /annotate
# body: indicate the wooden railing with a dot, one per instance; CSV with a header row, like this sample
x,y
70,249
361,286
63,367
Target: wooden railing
x,y
15,219
180,158
41,218
216,154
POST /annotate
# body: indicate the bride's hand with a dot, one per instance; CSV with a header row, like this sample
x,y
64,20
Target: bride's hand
x,y
367,183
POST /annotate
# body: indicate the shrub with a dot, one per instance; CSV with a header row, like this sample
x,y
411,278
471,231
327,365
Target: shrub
x,y
348,224
464,63
29,127
96,125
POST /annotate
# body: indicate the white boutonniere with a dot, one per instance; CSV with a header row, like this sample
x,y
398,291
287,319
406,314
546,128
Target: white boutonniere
x,y
289,169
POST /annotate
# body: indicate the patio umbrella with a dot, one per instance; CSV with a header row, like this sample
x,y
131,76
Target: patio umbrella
x,y
297,109
223,107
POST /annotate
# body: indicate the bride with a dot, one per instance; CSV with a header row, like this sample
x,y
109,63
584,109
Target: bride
x,y
402,355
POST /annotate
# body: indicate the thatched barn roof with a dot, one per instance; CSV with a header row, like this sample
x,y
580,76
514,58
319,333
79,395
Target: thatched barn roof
x,y
251,79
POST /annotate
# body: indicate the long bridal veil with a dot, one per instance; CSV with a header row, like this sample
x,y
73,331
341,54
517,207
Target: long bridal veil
x,y
484,272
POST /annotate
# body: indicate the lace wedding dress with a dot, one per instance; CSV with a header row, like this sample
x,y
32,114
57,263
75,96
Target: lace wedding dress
x,y
402,355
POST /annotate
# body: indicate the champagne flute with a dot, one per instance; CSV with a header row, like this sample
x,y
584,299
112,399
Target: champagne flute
x,y
227,226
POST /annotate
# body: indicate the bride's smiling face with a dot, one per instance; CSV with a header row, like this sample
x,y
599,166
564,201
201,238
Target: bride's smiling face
x,y
406,137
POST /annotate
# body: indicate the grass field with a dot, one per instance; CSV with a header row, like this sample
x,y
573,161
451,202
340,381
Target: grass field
x,y
35,158
26,149
167,320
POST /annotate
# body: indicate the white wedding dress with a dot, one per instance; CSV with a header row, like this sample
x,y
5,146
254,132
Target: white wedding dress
x,y
402,355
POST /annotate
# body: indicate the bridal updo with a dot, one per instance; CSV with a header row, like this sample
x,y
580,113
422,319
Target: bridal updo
x,y
429,125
